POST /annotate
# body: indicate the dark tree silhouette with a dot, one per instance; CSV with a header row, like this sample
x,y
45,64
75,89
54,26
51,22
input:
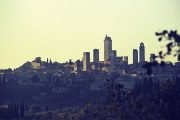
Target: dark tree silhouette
x,y
173,49
22,109
173,44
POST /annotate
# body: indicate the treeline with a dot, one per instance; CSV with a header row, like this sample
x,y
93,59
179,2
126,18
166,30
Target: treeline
x,y
12,111
152,101
147,101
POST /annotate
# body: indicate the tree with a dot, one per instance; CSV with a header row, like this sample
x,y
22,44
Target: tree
x,y
173,43
172,49
22,109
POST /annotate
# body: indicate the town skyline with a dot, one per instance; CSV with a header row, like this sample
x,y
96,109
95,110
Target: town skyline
x,y
109,54
63,30
101,55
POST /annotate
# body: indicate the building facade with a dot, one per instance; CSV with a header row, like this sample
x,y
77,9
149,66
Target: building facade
x,y
141,53
77,66
114,54
86,61
95,55
107,48
126,60
113,59
135,56
152,57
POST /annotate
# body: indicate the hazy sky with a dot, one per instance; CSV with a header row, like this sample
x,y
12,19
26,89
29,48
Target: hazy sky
x,y
63,29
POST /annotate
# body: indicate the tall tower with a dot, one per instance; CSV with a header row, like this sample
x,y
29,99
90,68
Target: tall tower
x,y
135,56
113,60
107,48
77,66
141,53
86,61
95,55
114,54
126,60
152,57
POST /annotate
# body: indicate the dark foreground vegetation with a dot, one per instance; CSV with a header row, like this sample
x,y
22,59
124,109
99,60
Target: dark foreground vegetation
x,y
145,102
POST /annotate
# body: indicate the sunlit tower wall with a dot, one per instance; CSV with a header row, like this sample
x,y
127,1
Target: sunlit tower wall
x,y
107,48
86,61
95,55
77,66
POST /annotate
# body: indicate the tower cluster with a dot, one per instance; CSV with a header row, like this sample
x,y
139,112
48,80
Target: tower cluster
x,y
110,57
139,58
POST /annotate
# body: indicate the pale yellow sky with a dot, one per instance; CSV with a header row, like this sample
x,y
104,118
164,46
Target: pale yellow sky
x,y
64,29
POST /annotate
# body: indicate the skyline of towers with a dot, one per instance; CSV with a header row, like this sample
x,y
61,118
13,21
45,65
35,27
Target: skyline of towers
x,y
141,52
110,56
139,57
86,61
107,48
95,55
135,56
